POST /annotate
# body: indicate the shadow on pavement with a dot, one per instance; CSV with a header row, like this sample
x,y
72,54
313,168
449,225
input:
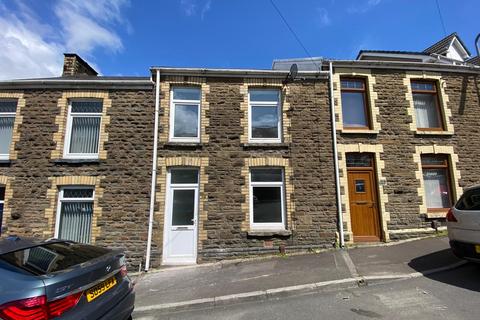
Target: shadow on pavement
x,y
466,277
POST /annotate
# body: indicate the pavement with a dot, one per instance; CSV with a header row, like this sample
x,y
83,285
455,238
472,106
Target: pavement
x,y
217,284
448,295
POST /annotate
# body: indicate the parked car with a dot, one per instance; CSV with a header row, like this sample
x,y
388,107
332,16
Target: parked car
x,y
463,224
59,279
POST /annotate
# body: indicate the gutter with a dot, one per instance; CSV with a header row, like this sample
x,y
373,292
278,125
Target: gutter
x,y
141,84
237,73
335,157
154,172
411,66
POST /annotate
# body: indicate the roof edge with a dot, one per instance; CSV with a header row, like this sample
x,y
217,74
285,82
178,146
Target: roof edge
x,y
406,65
254,73
140,84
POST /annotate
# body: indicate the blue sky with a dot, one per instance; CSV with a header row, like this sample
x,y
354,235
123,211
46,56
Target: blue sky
x,y
125,37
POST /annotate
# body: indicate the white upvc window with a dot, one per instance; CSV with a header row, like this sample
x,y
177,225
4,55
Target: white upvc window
x,y
8,109
75,213
264,116
83,129
267,201
185,114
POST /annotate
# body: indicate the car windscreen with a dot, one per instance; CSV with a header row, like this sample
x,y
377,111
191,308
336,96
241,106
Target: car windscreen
x,y
470,200
53,257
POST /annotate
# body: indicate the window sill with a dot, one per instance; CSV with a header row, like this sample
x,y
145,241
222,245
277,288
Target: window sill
x,y
183,145
263,145
433,133
437,214
5,162
269,233
359,131
77,161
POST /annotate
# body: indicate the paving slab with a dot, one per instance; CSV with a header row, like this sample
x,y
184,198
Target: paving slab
x,y
404,258
215,280
220,283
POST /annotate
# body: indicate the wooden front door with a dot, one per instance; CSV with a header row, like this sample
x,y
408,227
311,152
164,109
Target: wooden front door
x,y
362,192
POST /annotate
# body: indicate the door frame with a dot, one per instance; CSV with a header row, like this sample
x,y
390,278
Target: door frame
x,y
375,196
168,216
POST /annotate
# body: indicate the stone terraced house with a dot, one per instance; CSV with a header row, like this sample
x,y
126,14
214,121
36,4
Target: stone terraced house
x,y
245,161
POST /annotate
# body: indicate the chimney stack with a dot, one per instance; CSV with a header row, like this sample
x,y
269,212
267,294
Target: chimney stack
x,y
73,65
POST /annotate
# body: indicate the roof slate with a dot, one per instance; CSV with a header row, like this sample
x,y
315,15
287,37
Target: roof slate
x,y
441,46
475,60
391,51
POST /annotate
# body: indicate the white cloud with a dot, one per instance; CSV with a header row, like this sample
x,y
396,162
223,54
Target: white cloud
x,y
206,8
30,48
323,17
363,7
191,7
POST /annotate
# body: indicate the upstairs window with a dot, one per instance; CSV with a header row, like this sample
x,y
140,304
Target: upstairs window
x,y
185,115
83,129
8,109
427,106
264,116
267,198
436,179
354,104
75,212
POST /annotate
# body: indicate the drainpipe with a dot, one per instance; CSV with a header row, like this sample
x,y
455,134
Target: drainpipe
x,y
335,156
476,44
154,171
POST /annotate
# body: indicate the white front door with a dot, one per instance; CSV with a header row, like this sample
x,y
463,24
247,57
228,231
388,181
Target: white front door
x,y
180,235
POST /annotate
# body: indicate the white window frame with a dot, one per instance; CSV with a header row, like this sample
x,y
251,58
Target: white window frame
x,y
62,199
281,184
68,132
6,156
173,103
276,104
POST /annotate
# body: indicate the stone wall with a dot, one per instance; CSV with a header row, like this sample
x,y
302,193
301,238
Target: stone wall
x,y
400,143
309,155
124,175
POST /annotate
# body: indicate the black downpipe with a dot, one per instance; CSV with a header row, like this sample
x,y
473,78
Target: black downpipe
x,y
476,44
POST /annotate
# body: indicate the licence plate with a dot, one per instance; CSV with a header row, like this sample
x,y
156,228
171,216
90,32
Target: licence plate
x,y
100,288
477,248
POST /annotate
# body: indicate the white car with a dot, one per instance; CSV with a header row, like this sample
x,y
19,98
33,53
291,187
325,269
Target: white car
x,y
463,224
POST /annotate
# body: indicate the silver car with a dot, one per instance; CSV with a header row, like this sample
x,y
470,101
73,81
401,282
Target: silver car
x,y
463,224
62,280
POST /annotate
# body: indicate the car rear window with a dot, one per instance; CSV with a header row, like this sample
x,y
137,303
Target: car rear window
x,y
470,200
53,257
